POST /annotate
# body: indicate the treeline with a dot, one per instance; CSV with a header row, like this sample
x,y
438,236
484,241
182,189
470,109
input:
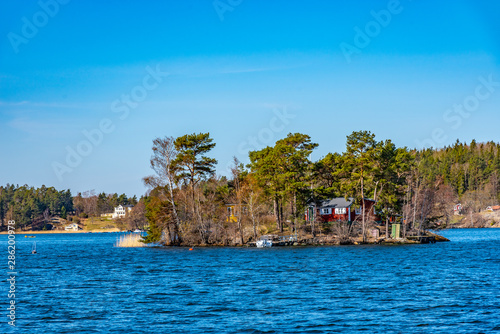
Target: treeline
x,y
471,171
189,204
33,206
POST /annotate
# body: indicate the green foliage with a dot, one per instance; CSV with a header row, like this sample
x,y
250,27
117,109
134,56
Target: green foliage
x,y
391,171
325,172
358,164
29,205
283,168
63,212
283,171
466,168
107,202
191,161
155,209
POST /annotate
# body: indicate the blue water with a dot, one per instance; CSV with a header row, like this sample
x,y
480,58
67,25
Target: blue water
x,y
80,283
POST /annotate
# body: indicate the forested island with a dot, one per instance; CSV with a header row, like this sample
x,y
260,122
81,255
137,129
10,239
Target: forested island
x,y
350,197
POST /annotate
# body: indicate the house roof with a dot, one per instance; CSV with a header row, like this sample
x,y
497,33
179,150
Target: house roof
x,y
124,206
339,202
495,207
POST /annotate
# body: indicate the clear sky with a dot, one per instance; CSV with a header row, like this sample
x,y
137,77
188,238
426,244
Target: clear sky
x,y
84,87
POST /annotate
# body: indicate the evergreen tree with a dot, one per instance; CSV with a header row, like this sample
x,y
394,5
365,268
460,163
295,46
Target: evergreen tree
x,y
359,158
193,165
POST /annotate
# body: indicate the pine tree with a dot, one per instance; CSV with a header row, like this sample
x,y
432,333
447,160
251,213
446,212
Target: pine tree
x,y
193,165
359,158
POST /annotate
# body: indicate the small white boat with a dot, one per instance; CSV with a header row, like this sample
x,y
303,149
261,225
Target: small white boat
x,y
264,241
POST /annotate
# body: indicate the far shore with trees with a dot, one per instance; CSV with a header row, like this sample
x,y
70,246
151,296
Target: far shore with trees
x,y
188,204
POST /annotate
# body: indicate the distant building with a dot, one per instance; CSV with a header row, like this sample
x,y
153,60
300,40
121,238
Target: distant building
x,y
457,210
340,209
72,227
121,211
493,208
231,217
232,212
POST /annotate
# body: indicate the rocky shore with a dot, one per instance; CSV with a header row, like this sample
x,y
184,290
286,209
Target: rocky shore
x,y
479,220
427,237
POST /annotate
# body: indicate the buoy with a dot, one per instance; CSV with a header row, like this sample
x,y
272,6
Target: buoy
x,y
190,249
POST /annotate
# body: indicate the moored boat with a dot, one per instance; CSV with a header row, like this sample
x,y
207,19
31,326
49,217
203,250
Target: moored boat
x,y
264,241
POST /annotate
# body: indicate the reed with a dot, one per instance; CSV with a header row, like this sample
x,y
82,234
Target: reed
x,y
130,240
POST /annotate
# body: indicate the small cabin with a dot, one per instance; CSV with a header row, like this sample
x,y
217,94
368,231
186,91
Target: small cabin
x,y
72,227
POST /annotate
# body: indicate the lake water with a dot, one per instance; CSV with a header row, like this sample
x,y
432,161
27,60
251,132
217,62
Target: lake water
x,y
80,283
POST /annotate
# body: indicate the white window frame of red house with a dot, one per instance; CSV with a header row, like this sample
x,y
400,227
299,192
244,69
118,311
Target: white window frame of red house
x,y
340,211
326,211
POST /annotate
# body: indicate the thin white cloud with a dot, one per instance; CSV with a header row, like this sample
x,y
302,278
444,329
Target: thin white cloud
x,y
52,128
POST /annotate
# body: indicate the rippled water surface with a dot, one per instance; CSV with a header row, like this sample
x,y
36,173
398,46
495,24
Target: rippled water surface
x,y
80,283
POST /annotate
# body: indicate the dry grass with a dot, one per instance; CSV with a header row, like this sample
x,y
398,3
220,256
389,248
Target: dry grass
x,y
98,223
130,240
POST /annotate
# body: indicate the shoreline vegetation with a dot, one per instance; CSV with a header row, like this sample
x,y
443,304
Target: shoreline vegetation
x,y
387,194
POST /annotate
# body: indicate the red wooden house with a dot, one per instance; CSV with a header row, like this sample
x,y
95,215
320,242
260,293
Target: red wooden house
x,y
340,209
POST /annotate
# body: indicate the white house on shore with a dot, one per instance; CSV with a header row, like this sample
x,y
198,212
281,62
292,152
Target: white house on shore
x,y
72,227
121,211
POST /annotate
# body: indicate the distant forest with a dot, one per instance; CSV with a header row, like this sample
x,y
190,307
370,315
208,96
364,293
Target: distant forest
x,y
189,204
471,171
35,207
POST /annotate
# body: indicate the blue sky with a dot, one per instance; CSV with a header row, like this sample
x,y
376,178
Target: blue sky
x,y
248,72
